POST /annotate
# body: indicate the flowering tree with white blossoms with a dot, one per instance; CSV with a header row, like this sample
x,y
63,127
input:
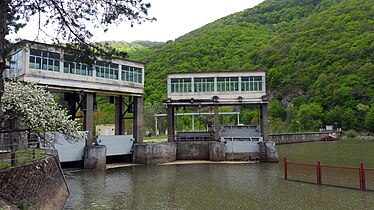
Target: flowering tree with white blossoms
x,y
35,107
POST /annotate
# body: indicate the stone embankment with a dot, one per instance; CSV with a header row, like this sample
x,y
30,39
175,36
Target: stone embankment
x,y
39,184
290,138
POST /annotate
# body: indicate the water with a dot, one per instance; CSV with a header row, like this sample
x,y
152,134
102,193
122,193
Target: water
x,y
223,186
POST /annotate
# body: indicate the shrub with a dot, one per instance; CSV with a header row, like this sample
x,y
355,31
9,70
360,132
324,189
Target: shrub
x,y
351,134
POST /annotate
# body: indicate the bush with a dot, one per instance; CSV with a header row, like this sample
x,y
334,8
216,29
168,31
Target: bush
x,y
351,134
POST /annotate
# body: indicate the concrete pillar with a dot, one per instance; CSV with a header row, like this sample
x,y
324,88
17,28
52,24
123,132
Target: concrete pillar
x,y
264,123
88,117
119,109
170,122
216,123
217,151
138,119
268,151
95,157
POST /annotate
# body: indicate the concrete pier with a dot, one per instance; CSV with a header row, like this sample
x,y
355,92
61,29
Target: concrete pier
x,y
95,157
217,151
151,154
268,152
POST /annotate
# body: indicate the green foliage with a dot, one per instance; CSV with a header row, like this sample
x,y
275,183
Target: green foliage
x,y
369,119
323,49
276,110
351,134
310,116
23,156
277,125
249,116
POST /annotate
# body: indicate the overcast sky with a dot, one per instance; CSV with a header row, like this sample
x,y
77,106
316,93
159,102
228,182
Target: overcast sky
x,y
174,19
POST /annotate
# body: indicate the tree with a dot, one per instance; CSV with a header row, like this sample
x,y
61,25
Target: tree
x,y
309,116
36,109
369,119
71,19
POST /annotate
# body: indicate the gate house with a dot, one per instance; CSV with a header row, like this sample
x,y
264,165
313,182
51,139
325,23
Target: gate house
x,y
221,89
119,79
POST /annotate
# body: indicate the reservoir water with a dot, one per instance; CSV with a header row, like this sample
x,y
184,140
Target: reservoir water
x,y
225,186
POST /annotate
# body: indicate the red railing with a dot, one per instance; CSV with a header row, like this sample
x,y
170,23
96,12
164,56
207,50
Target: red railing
x,y
342,176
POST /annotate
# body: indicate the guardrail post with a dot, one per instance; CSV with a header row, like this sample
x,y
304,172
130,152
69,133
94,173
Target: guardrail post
x,y
285,168
362,176
319,173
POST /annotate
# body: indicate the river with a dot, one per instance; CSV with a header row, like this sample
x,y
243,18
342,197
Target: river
x,y
225,186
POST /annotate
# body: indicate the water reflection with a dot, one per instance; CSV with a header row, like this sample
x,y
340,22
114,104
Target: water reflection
x,y
207,186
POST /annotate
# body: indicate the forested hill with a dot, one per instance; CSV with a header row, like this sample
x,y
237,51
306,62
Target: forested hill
x,y
319,55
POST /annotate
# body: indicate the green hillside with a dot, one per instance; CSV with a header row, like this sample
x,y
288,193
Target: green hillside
x,y
319,55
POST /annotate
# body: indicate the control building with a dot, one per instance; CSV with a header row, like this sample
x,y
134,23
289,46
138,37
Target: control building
x,y
215,89
120,79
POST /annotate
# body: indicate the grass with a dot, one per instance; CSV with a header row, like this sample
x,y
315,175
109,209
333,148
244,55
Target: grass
x,y
23,156
155,137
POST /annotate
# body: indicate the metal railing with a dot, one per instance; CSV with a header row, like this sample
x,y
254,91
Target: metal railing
x,y
18,150
341,176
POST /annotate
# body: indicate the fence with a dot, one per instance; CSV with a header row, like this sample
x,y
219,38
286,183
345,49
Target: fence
x,y
342,176
18,150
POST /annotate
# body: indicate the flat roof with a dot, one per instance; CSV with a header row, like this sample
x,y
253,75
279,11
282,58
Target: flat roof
x,y
59,46
217,72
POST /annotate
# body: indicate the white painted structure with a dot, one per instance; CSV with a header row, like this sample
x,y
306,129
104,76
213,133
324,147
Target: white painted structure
x,y
243,86
241,138
62,71
117,145
49,65
67,152
105,130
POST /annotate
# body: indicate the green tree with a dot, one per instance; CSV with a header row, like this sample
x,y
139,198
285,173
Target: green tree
x,y
369,119
276,110
309,116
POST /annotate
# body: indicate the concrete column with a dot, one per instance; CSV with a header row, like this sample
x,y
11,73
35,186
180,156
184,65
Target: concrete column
x,y
170,122
138,119
88,117
264,124
95,157
193,122
216,123
156,128
119,122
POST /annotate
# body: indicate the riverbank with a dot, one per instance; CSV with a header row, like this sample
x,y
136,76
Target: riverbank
x,y
38,184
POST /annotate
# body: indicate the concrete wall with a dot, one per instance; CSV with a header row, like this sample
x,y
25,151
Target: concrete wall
x,y
193,150
39,184
95,157
154,153
217,151
288,138
242,156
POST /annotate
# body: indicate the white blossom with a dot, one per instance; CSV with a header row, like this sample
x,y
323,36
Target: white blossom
x,y
35,107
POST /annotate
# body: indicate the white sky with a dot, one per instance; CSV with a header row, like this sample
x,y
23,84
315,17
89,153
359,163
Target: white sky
x,y
174,19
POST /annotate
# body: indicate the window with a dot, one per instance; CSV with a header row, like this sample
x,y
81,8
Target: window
x,y
252,83
44,60
16,64
225,84
107,70
131,74
71,66
204,84
181,85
